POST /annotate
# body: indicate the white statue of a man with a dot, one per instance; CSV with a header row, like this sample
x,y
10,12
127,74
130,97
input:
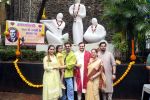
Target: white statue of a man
x,y
55,28
78,11
95,32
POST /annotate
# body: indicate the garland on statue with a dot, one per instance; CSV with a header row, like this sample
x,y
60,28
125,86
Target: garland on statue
x,y
124,74
75,14
93,28
58,23
24,78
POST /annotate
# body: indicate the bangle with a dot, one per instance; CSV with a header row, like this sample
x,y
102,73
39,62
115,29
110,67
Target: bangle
x,y
114,73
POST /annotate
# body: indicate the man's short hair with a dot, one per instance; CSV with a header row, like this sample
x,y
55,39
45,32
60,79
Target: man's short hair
x,y
67,43
102,43
81,43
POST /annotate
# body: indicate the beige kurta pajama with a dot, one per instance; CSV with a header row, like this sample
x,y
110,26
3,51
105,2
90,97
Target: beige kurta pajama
x,y
108,63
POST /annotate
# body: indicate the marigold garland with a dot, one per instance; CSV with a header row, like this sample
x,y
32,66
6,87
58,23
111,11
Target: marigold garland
x,y
39,86
24,78
124,74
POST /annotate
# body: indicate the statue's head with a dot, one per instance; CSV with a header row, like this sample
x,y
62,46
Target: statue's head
x,y
94,21
77,1
59,16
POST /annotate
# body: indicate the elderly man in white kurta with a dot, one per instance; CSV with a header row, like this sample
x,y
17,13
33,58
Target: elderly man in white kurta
x,y
55,27
95,32
110,69
78,11
80,77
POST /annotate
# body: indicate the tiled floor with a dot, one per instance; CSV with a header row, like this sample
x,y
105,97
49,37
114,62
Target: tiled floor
x,y
18,96
22,96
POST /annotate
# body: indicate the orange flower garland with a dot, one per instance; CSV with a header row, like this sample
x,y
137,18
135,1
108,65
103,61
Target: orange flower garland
x,y
39,86
6,29
124,74
24,78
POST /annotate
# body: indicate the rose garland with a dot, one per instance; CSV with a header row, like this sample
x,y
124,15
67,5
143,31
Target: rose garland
x,y
124,74
58,23
75,14
24,78
93,28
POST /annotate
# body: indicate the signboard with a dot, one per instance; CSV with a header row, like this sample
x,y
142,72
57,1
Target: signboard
x,y
30,33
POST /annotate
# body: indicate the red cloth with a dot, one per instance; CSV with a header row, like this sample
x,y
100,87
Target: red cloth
x,y
78,79
77,74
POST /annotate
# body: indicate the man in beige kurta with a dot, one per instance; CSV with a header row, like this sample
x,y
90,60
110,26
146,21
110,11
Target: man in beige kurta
x,y
110,69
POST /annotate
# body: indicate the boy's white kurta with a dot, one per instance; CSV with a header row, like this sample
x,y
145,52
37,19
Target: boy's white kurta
x,y
78,11
51,79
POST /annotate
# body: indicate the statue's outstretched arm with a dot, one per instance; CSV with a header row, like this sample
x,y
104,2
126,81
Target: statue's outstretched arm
x,y
71,10
47,21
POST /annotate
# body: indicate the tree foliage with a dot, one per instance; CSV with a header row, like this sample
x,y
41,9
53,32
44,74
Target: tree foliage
x,y
129,17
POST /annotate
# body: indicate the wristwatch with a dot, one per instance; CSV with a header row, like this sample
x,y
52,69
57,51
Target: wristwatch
x,y
114,73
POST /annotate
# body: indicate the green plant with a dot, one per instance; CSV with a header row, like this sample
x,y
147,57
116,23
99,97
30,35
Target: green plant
x,y
7,53
119,44
130,17
31,55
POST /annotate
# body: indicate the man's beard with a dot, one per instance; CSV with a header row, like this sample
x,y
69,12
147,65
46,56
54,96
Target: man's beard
x,y
103,50
82,50
67,50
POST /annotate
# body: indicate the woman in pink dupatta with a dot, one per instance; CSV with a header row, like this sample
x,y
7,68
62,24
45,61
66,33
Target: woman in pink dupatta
x,y
95,72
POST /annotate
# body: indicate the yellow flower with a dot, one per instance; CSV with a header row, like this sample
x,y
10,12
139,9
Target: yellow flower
x,y
23,77
124,74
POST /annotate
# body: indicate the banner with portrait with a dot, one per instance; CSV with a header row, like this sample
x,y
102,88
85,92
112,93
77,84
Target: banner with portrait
x,y
28,33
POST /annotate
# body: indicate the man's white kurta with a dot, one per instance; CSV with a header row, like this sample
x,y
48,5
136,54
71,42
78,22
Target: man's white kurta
x,y
80,60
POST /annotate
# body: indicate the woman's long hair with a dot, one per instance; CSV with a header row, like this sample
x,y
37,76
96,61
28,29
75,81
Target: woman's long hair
x,y
57,47
49,59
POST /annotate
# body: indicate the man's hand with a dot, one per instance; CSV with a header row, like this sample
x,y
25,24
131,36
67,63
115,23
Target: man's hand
x,y
148,67
92,78
113,77
63,67
78,65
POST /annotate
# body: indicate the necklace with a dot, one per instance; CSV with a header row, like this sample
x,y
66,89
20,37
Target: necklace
x,y
93,60
58,23
75,15
93,28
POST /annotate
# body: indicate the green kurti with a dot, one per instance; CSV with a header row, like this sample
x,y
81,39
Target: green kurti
x,y
70,63
51,79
